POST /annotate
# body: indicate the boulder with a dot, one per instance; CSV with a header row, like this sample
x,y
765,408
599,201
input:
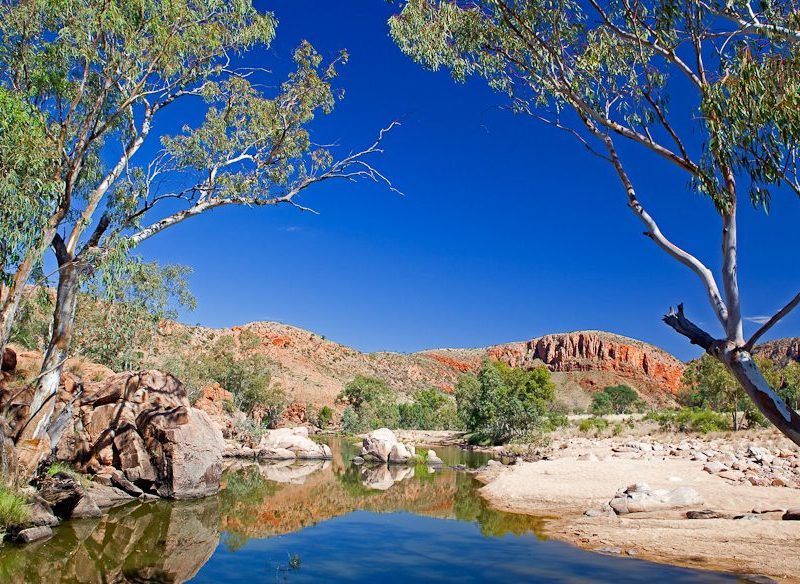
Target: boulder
x,y
142,425
67,497
215,400
377,445
32,534
295,441
400,453
106,496
640,498
41,514
187,456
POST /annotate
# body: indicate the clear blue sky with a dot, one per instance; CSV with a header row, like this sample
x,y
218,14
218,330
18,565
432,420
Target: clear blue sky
x,y
508,229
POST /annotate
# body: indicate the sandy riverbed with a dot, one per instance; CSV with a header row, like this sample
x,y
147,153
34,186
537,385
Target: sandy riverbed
x,y
565,487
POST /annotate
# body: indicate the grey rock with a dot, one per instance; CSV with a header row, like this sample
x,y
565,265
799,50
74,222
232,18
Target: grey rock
x,y
33,534
704,514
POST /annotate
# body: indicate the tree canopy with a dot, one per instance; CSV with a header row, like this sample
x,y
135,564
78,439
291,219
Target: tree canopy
x,y
607,72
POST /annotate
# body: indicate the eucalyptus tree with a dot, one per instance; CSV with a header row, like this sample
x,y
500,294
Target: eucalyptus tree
x,y
108,79
607,71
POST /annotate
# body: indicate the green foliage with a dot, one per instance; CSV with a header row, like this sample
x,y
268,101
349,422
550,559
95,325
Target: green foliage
x,y
700,420
233,364
14,511
430,410
119,312
707,384
32,326
26,179
615,67
617,399
372,404
324,417
351,423
785,380
503,403
593,423
362,390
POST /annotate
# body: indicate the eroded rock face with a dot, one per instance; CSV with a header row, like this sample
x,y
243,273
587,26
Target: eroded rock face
x,y
142,425
595,351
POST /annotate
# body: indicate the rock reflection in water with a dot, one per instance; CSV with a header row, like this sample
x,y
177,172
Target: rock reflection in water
x,y
156,542
382,477
168,542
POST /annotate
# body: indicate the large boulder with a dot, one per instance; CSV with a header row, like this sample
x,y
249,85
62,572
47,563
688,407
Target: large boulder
x,y
286,443
142,425
187,456
383,446
377,445
640,498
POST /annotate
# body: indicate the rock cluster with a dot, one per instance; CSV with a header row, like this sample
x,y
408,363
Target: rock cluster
x,y
742,463
382,445
282,444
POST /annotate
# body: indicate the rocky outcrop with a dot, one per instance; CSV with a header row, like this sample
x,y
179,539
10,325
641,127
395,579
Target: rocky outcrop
x,y
139,424
781,351
596,351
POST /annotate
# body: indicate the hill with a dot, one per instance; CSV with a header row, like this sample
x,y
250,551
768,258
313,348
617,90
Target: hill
x,y
314,369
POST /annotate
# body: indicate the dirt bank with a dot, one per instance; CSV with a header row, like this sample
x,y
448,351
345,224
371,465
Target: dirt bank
x,y
566,486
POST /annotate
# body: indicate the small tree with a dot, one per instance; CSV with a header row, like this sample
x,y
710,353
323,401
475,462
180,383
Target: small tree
x,y
607,72
708,384
503,403
617,399
97,77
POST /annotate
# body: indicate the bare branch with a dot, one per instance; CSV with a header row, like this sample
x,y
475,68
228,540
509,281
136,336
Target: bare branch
x,y
678,321
791,305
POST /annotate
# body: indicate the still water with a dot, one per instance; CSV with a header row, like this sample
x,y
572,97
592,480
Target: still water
x,y
324,522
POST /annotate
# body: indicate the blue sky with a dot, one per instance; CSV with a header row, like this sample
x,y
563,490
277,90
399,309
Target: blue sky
x,y
507,230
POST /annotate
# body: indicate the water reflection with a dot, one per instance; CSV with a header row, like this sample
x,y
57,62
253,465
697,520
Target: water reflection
x,y
329,509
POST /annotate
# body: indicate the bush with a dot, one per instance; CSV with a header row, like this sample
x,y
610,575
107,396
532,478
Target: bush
x,y
351,423
13,509
700,420
324,417
617,399
430,410
503,403
593,423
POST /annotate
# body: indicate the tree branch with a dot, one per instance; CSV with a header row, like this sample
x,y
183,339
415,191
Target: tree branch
x,y
682,325
771,322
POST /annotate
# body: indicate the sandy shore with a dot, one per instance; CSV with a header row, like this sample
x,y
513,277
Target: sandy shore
x,y
565,487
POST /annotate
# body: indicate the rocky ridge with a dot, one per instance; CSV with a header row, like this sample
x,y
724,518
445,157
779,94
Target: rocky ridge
x,y
314,369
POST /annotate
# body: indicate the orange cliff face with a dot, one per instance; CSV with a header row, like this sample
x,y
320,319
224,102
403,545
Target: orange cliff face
x,y
593,359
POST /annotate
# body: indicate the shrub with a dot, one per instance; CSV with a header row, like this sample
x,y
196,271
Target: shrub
x,y
503,403
13,509
351,423
617,399
430,410
362,390
324,417
701,420
593,423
